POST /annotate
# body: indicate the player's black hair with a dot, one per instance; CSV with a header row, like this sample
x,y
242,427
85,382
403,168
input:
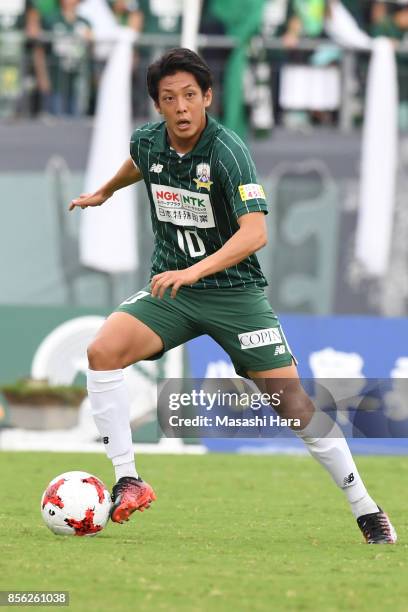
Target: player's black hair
x,y
176,60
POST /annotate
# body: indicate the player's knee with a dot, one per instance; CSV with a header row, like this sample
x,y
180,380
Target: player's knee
x,y
294,403
101,357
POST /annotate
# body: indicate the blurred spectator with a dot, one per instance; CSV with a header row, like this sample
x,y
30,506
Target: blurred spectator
x,y
274,18
60,41
159,17
273,25
389,19
312,82
106,18
127,13
68,59
11,55
162,16
36,12
304,18
305,85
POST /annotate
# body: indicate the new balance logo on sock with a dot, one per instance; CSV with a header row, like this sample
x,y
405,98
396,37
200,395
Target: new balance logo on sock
x,y
348,479
105,440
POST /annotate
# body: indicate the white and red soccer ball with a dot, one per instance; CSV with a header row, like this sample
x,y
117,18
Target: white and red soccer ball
x,y
76,503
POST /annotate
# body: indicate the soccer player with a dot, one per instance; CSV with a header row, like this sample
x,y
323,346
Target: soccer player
x,y
208,216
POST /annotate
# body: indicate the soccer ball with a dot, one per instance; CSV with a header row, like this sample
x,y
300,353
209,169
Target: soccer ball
x,y
76,503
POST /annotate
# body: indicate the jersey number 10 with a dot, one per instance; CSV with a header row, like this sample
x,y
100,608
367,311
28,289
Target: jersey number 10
x,y
193,241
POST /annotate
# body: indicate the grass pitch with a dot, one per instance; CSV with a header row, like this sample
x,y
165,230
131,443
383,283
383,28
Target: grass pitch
x,y
228,533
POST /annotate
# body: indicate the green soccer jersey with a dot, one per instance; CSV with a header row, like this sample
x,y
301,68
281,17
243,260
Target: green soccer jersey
x,y
197,198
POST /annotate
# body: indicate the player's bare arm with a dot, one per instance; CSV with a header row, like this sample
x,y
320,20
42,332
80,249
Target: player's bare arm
x,y
128,174
250,237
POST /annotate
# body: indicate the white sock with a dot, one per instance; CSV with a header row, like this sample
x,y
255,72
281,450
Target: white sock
x,y
110,404
125,469
332,452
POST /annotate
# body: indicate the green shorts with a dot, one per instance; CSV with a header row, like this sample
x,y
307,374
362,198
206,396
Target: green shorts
x,y
240,320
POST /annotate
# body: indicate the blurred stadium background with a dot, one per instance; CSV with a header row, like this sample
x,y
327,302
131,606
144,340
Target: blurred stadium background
x,y
319,90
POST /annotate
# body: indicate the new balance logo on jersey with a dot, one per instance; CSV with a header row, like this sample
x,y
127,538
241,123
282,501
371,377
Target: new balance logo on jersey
x,y
348,479
280,350
261,337
157,168
105,440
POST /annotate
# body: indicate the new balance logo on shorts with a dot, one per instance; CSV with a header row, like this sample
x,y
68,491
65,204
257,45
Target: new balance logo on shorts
x,y
261,337
280,350
348,479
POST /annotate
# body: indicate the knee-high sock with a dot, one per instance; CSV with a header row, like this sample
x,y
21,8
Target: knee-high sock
x,y
110,404
333,453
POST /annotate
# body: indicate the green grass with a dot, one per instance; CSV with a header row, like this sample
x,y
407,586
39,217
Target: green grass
x,y
227,533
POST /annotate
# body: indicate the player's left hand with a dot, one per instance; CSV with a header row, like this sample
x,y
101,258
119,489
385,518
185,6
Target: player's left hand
x,y
172,278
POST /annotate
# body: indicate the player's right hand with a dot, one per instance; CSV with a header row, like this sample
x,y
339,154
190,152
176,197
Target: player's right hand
x,y
88,199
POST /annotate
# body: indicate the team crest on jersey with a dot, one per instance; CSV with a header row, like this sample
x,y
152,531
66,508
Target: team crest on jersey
x,y
203,176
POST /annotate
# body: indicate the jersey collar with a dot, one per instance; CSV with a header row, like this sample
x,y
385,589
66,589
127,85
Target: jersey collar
x,y
162,146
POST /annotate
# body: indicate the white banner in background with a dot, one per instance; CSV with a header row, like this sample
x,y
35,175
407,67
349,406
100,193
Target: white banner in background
x,y
316,88
108,233
104,26
344,30
191,23
379,161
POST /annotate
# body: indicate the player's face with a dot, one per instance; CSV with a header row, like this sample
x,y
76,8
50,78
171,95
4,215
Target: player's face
x,y
183,106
